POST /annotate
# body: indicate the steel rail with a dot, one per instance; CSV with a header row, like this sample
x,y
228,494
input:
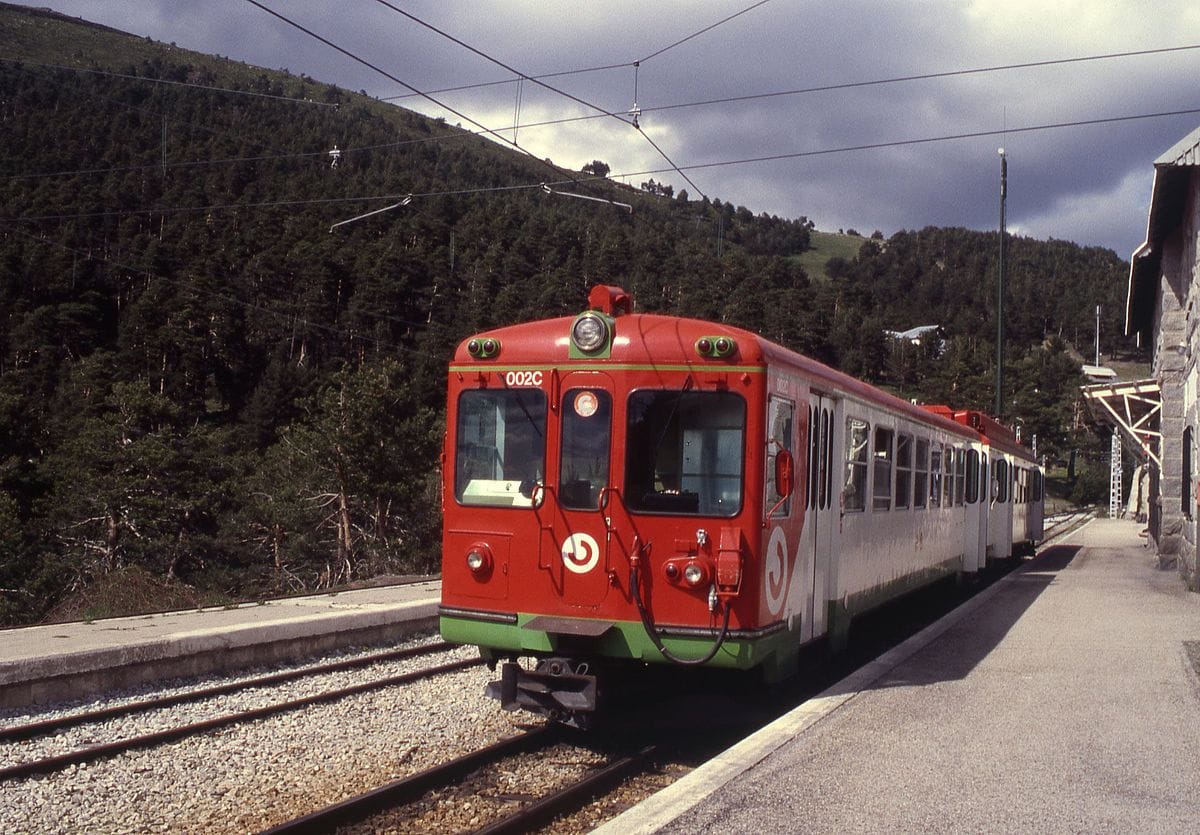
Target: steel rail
x,y
1067,525
15,733
409,789
107,749
570,798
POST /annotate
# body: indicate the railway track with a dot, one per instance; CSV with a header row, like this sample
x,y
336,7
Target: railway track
x,y
407,801
572,797
393,805
411,788
1063,524
90,753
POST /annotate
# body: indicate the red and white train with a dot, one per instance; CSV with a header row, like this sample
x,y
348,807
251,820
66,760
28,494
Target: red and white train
x,y
624,488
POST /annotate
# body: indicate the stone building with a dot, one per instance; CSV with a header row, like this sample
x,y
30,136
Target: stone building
x,y
1164,308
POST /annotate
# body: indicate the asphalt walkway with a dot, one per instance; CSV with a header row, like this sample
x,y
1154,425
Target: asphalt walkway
x,y
1064,698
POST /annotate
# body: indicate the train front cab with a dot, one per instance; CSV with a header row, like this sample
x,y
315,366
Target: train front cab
x,y
600,514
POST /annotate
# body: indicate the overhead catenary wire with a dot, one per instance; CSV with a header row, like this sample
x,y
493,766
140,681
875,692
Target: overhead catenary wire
x,y
849,85
490,131
234,300
160,164
407,199
170,82
267,204
660,108
708,28
551,88
715,164
581,70
872,146
500,82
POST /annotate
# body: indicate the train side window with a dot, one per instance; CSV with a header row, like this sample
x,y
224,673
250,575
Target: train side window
x,y
814,455
935,476
921,474
858,436
586,433
780,432
1037,485
1000,474
904,450
884,461
499,446
826,475
960,480
948,476
972,480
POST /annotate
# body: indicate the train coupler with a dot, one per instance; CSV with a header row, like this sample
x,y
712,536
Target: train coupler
x,y
558,688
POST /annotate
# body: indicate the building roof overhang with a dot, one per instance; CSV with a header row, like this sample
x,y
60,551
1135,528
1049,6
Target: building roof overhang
x,y
1168,198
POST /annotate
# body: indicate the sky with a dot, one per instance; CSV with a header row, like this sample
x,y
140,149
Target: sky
x,y
1087,183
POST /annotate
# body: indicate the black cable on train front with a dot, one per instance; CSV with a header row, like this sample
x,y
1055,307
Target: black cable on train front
x,y
634,587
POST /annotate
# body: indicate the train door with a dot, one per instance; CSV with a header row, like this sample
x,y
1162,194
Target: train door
x,y
1001,517
816,543
786,572
576,533
975,530
1037,509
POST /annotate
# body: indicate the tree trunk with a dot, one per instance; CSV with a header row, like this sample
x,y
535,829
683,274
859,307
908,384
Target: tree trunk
x,y
345,541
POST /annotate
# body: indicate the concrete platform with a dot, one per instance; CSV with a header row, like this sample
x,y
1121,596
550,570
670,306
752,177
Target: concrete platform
x,y
1063,699
63,661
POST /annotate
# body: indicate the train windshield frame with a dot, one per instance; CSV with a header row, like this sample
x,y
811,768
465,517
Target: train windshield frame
x,y
685,452
499,446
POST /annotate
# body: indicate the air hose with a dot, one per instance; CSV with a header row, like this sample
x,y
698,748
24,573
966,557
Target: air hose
x,y
635,588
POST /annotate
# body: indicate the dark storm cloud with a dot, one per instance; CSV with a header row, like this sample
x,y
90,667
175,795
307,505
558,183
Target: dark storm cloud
x,y
1089,184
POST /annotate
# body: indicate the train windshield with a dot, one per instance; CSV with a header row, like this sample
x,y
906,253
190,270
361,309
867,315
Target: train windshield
x,y
500,452
684,452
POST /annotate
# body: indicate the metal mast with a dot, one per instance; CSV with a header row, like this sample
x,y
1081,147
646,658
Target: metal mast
x,y
1000,291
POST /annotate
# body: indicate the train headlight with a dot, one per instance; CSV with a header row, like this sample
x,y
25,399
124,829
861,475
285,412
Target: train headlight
x,y
691,572
479,560
694,574
590,333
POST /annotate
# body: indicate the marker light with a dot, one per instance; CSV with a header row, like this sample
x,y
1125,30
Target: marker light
x,y
716,347
589,333
484,348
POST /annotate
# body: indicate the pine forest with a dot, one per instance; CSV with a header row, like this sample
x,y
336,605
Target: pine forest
x,y
208,395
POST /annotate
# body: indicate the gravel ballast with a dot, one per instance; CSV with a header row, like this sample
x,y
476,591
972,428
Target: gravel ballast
x,y
249,776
